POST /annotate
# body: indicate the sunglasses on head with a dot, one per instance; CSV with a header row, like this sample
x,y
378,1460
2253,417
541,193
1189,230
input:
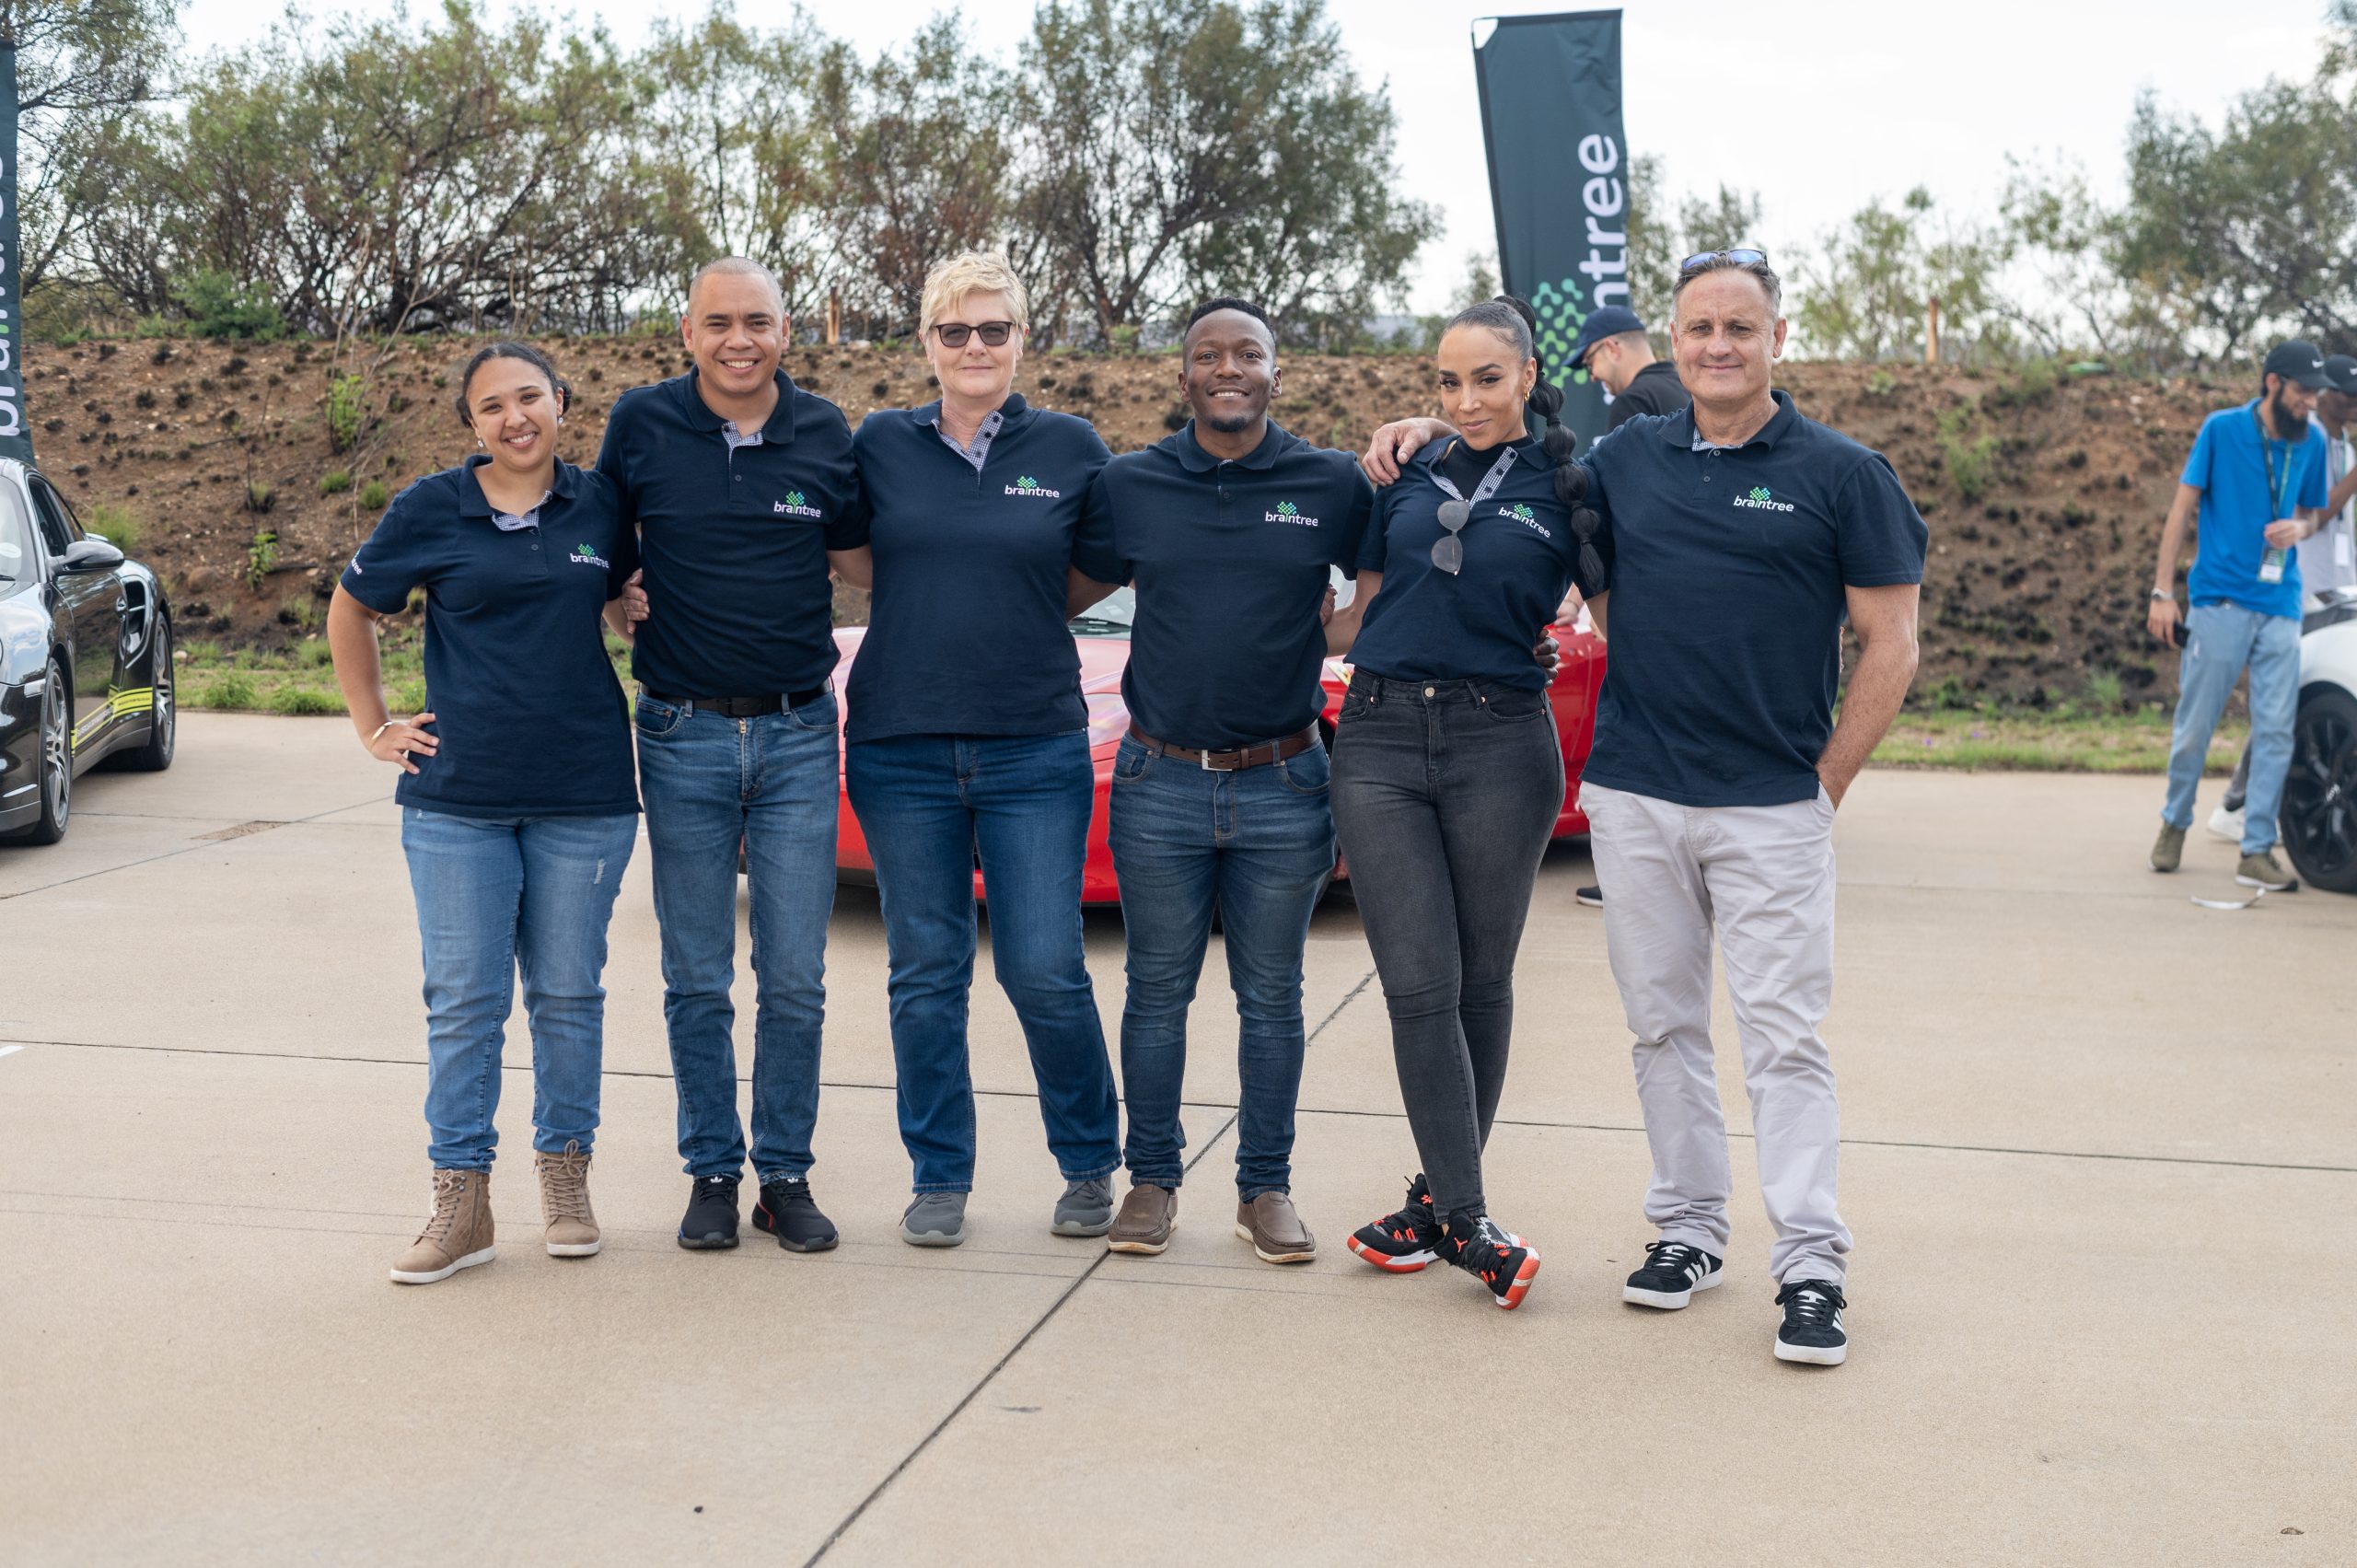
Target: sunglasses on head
x,y
1704,258
953,334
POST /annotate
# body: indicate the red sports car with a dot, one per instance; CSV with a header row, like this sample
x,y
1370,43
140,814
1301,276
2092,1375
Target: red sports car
x,y
1103,635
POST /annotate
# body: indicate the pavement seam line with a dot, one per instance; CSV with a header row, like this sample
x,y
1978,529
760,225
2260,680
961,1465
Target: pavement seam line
x,y
184,849
1055,1306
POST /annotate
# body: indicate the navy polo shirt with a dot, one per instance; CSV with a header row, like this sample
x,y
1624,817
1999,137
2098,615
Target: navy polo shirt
x,y
1231,562
1482,622
966,631
1727,601
735,538
531,721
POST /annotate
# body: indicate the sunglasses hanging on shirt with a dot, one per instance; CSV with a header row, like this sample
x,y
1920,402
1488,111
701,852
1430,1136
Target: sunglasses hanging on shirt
x,y
953,334
1448,551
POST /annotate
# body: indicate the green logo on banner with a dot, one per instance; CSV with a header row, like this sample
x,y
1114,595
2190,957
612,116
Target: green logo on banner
x,y
1560,308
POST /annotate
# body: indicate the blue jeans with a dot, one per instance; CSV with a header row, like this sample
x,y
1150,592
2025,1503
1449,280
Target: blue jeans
x,y
930,805
496,897
1258,845
2222,639
771,784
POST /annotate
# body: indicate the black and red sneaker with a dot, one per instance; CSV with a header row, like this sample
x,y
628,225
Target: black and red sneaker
x,y
1498,1258
787,1212
1403,1241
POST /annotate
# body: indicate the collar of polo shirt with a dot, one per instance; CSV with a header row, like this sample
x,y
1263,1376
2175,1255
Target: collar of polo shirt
x,y
473,503
1678,428
777,432
1192,455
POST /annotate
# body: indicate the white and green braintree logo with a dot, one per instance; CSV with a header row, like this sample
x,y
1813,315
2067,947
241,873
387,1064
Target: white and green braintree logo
x,y
587,555
1758,498
1026,485
1288,512
1521,513
793,506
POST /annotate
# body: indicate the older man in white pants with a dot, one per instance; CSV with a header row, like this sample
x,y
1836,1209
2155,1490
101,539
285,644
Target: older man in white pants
x,y
1748,535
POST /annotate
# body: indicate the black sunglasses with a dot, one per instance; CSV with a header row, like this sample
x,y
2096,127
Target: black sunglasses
x,y
953,334
1448,551
1704,258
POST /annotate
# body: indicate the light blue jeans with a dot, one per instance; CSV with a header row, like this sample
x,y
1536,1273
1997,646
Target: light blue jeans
x,y
2222,639
497,898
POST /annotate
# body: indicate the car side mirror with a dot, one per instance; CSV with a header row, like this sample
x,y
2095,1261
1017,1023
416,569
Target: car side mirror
x,y
90,555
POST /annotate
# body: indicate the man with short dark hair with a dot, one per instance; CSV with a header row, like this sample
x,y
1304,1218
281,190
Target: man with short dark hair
x,y
1617,354
1230,530
2258,477
744,492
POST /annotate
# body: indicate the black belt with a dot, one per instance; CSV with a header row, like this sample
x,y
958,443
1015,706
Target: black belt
x,y
746,707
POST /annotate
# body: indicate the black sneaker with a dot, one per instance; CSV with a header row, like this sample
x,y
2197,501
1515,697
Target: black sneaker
x,y
710,1224
1812,1330
1672,1273
1592,897
787,1210
1403,1241
1498,1258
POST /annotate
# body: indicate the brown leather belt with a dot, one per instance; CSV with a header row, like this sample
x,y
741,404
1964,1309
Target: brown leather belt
x,y
1267,751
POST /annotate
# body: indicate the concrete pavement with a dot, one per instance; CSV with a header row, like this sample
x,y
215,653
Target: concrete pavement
x,y
2099,1156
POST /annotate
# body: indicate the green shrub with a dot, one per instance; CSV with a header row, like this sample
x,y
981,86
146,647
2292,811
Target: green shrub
x,y
345,413
1970,460
260,497
261,554
304,699
373,495
220,305
336,484
114,522
230,688
301,610
314,655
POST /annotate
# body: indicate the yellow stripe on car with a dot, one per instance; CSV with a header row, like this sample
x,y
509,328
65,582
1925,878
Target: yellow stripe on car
x,y
120,701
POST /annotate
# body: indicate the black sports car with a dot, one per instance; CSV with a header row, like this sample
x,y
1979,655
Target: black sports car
x,y
86,659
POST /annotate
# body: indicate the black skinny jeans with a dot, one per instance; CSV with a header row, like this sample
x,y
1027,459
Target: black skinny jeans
x,y
1445,793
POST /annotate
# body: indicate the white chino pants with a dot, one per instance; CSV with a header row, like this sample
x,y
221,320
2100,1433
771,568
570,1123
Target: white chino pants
x,y
1762,878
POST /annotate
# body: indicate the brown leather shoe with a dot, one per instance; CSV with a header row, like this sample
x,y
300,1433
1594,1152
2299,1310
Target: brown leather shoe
x,y
459,1235
1148,1216
1274,1227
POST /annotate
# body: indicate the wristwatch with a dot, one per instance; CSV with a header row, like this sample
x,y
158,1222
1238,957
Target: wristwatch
x,y
2163,595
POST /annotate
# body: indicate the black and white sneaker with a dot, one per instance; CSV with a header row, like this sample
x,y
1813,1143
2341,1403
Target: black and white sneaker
x,y
1812,1330
1592,897
710,1224
787,1210
1672,1273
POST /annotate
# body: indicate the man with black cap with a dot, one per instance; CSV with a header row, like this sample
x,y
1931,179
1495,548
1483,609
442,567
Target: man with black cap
x,y
1617,356
2258,477
2328,557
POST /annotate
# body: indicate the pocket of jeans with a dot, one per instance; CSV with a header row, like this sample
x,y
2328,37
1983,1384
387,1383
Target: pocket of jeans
x,y
654,717
1310,773
1514,707
817,715
1354,704
1132,762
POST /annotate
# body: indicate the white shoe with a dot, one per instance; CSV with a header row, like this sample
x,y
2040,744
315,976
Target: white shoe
x,y
2226,825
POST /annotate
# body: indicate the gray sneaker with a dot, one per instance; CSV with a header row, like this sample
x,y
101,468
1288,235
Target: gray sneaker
x,y
935,1219
1086,1209
2168,849
2265,872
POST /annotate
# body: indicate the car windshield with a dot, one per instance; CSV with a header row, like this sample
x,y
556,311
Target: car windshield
x,y
1109,617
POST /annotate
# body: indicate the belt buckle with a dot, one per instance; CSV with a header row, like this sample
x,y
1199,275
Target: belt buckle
x,y
1203,760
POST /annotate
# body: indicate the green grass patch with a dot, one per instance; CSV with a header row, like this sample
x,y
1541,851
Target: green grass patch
x,y
2029,741
301,679
114,522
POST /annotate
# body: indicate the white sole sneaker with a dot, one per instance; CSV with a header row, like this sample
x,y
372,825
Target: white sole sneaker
x,y
574,1249
1670,1300
2227,825
2264,885
1244,1233
432,1276
1814,1355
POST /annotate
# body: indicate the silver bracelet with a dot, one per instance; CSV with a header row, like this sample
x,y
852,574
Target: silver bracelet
x,y
380,730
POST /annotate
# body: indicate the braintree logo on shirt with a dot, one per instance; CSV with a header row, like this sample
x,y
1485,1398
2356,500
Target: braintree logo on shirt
x,y
587,555
1288,512
793,506
1026,485
1525,516
1758,496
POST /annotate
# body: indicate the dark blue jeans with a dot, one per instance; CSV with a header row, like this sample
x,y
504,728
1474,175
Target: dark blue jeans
x,y
930,805
1256,845
773,784
498,898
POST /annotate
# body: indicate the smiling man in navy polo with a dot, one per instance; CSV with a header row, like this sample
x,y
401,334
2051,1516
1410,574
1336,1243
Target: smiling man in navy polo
x,y
1229,529
743,490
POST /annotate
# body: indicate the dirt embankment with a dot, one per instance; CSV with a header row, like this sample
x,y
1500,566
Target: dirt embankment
x,y
2044,497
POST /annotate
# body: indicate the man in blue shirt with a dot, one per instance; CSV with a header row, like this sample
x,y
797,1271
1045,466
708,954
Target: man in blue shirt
x,y
744,494
2257,475
1230,529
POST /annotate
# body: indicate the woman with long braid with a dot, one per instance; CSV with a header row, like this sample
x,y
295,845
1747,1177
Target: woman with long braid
x,y
1447,772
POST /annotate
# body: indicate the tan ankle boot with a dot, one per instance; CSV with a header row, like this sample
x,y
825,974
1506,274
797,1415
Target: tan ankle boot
x,y
565,1202
458,1237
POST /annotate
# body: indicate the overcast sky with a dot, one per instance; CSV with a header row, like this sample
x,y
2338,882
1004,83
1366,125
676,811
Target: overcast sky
x,y
1817,105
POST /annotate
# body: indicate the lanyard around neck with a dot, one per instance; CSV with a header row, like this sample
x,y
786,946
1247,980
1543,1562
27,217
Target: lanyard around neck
x,y
2276,494
1490,481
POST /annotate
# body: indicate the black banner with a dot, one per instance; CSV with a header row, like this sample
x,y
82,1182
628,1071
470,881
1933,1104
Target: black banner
x,y
1558,168
15,440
